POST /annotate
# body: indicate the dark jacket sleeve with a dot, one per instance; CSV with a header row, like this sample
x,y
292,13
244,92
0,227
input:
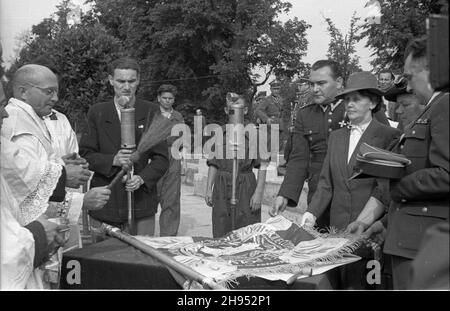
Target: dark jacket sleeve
x,y
434,180
430,268
158,165
40,243
89,148
297,167
59,193
324,193
381,190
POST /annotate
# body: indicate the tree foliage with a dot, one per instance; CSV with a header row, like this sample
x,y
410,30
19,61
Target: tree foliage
x,y
80,54
401,21
342,48
206,48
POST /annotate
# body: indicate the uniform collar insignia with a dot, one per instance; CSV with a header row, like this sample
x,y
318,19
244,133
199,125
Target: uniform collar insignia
x,y
422,121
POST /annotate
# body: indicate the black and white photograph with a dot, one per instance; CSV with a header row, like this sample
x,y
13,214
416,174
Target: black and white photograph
x,y
228,152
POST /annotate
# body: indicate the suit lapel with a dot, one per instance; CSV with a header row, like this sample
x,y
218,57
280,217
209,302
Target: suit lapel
x,y
140,119
342,152
112,124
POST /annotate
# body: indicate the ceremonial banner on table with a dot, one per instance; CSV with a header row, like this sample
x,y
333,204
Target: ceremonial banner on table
x,y
275,249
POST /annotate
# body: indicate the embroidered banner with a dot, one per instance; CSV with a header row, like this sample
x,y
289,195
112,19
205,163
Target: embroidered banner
x,y
276,249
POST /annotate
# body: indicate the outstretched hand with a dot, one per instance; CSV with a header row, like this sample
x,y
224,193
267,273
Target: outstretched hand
x,y
96,198
376,232
279,206
308,220
356,227
255,202
74,159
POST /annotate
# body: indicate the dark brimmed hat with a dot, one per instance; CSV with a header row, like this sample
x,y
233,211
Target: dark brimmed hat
x,y
359,81
397,89
376,162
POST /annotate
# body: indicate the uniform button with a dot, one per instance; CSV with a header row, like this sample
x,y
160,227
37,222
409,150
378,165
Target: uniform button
x,y
397,209
330,113
310,138
329,130
424,209
403,200
310,131
329,120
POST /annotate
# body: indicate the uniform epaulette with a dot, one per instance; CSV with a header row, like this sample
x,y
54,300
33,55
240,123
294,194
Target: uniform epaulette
x,y
306,105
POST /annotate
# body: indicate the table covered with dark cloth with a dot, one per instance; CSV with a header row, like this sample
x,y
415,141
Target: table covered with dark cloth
x,y
113,264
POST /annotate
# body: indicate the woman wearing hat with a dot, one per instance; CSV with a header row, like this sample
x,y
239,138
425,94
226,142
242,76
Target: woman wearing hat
x,y
347,197
409,105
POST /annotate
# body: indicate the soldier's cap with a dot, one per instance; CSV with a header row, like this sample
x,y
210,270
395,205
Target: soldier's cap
x,y
376,162
302,85
275,84
398,88
261,94
359,81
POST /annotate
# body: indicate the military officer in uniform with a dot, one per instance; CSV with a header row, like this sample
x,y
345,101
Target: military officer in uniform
x,y
258,99
419,199
313,124
302,96
270,110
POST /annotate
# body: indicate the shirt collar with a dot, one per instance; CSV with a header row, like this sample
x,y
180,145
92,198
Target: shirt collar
x,y
332,105
52,116
361,127
166,113
118,107
116,103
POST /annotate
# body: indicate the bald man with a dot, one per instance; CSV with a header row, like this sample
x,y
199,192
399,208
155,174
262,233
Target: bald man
x,y
35,90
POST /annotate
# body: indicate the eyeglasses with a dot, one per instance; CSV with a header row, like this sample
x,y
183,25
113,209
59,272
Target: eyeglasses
x,y
49,91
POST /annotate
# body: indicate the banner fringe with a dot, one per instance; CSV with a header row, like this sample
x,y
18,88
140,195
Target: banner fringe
x,y
354,242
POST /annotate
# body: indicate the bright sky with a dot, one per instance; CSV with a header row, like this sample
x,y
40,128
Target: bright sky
x,y
17,16
340,12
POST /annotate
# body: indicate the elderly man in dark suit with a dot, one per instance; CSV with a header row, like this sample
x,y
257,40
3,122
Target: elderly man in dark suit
x,y
419,199
101,148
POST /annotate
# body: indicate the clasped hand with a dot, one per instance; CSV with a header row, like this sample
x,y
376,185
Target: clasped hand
x,y
133,183
76,175
74,159
122,158
96,198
